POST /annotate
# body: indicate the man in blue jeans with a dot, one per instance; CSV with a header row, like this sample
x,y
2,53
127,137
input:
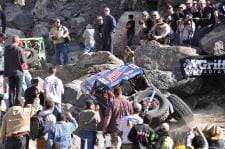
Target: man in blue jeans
x,y
13,60
58,34
60,136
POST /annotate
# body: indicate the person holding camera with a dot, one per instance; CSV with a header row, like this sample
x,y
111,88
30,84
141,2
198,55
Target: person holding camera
x,y
59,34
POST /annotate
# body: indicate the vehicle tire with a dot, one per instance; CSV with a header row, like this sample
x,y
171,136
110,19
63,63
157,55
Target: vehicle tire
x,y
33,58
181,109
162,112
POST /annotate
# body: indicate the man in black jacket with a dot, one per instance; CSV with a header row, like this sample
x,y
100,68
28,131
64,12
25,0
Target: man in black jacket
x,y
13,61
139,134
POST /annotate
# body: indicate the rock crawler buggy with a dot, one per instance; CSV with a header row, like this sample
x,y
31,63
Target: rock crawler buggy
x,y
137,87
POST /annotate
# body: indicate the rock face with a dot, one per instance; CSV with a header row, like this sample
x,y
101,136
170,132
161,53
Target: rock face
x,y
120,35
162,62
213,42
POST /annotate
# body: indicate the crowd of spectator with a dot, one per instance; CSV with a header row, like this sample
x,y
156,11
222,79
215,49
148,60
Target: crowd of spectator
x,y
39,115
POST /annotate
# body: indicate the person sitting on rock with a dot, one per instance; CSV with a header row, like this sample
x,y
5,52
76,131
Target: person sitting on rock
x,y
89,41
161,32
128,56
143,33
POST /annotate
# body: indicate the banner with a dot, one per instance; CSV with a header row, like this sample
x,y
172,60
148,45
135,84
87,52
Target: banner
x,y
203,66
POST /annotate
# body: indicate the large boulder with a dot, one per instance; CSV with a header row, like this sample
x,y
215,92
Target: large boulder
x,y
40,30
120,36
213,42
23,20
162,62
40,9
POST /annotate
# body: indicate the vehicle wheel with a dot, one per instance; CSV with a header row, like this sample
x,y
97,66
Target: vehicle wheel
x,y
181,109
32,58
159,114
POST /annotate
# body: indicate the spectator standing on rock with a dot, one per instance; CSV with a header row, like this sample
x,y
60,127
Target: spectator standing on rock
x,y
88,120
13,70
128,122
59,34
139,134
109,25
49,124
130,26
89,41
16,125
116,110
100,30
53,88
61,135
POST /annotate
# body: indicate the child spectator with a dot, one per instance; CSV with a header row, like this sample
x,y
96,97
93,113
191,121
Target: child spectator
x,y
130,26
128,56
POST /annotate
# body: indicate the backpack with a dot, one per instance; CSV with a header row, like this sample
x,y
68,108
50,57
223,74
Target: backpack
x,y
37,128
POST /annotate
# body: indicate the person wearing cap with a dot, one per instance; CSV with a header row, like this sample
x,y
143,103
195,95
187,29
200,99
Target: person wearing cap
x,y
139,134
161,32
88,120
16,124
13,69
58,34
188,9
109,28
89,41
164,140
60,136
53,89
155,16
128,122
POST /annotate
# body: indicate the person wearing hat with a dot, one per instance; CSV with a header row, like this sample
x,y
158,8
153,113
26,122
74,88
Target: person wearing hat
x,y
128,122
181,9
88,120
188,9
214,135
59,35
89,40
161,32
109,28
164,139
155,16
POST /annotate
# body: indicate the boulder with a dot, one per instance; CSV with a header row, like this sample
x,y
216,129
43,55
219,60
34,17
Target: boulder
x,y
10,32
162,62
40,9
72,91
213,42
22,21
120,40
40,30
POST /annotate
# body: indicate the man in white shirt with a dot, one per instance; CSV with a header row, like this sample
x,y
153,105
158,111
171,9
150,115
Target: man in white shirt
x,y
128,122
53,88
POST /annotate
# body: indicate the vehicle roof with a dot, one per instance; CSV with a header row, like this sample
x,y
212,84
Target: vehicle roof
x,y
111,78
